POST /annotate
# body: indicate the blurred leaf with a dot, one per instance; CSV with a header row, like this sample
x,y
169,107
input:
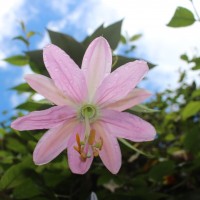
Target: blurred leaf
x,y
161,169
18,60
23,87
30,34
142,109
33,106
196,93
191,109
113,33
27,190
121,60
123,39
21,38
184,57
11,176
72,47
129,145
36,61
15,145
98,32
135,37
22,26
182,17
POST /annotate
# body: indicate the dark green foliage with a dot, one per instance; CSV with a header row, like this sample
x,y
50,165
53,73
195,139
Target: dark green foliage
x,y
164,169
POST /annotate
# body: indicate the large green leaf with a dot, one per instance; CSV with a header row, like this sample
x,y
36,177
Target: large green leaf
x,y
36,61
119,60
32,106
98,32
18,60
113,34
191,109
72,47
182,17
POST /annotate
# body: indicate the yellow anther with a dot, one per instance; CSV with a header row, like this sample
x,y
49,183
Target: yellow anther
x,y
91,138
83,156
78,139
101,143
77,149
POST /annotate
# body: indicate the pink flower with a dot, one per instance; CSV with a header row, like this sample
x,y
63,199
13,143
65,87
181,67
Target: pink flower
x,y
87,119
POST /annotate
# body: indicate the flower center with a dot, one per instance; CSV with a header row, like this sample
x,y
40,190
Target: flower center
x,y
88,111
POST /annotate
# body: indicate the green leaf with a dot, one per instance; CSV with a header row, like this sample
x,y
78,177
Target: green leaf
x,y
18,60
98,32
135,37
36,62
142,109
23,87
21,38
30,34
27,190
191,109
123,39
72,47
15,145
12,176
196,93
182,17
113,34
129,145
161,169
32,106
121,60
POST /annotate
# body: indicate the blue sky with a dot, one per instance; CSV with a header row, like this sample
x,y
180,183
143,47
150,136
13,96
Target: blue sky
x,y
159,44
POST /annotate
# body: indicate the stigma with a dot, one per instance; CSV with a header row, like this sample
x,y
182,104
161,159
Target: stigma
x,y
89,146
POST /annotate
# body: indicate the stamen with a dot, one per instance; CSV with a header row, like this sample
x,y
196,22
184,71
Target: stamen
x,y
91,137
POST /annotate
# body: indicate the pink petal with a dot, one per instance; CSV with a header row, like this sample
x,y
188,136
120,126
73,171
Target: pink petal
x,y
53,142
97,63
128,126
110,153
76,165
46,87
133,98
66,74
120,82
44,119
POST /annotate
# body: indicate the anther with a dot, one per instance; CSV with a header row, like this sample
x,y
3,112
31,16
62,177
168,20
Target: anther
x,y
91,138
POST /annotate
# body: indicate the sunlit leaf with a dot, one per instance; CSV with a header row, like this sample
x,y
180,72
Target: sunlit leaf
x,y
18,60
191,109
135,37
30,34
182,17
143,109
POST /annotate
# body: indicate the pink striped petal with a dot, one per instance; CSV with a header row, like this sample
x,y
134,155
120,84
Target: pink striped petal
x,y
133,98
66,74
97,63
110,153
128,126
76,165
53,142
120,82
44,119
46,87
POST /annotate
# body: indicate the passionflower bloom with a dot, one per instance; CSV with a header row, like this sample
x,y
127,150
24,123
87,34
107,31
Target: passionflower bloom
x,y
87,119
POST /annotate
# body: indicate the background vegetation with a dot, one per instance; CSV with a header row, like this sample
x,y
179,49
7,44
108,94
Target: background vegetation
x,y
167,168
